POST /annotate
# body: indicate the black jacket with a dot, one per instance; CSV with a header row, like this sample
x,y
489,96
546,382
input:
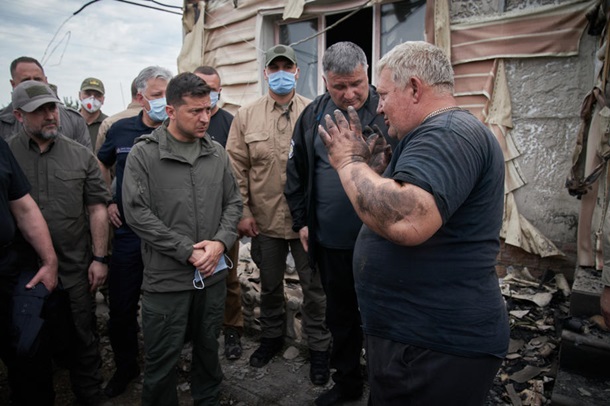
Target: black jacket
x,y
301,166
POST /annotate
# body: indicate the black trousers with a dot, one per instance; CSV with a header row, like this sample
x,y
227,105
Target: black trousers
x,y
30,378
124,283
406,375
342,317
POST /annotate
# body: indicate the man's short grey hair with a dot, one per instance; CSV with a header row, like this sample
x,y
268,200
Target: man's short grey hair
x,y
343,58
151,72
418,59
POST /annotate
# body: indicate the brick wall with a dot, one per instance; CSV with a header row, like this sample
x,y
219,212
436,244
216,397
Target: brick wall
x,y
519,258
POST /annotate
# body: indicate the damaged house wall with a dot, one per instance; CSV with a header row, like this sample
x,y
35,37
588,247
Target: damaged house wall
x,y
498,48
545,96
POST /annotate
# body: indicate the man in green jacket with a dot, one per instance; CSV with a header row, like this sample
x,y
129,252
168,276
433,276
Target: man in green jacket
x,y
181,198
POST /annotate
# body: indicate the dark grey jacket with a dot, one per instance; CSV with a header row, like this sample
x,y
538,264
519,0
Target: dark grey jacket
x,y
299,190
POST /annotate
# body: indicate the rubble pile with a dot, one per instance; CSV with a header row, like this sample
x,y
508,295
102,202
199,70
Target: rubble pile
x,y
249,277
538,309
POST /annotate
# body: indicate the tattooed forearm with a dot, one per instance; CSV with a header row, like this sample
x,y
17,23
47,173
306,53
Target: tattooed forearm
x,y
381,204
385,205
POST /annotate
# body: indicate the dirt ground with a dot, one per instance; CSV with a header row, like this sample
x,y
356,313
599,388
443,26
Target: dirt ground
x,y
285,382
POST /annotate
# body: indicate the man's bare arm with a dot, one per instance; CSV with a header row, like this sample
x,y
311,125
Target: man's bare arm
x,y
402,213
98,222
34,228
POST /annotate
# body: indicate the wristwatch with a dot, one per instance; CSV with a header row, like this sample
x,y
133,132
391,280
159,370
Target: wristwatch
x,y
104,260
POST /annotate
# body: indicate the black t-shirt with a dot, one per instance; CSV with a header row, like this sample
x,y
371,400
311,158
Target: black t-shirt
x,y
442,294
14,186
220,123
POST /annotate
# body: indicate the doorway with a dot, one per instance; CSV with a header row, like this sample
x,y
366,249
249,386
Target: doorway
x,y
357,29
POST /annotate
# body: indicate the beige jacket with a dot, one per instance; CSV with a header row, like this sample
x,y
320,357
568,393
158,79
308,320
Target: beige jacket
x,y
258,146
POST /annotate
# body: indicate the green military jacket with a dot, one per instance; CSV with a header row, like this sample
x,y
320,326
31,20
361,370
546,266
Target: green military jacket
x,y
172,204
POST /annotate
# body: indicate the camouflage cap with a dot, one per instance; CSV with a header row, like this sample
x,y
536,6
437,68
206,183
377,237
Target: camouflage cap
x,y
92,84
280,50
31,94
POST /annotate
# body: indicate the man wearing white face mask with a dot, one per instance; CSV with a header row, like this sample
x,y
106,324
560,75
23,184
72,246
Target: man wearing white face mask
x,y
258,145
91,98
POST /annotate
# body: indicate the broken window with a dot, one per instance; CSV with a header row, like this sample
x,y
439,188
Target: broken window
x,y
376,29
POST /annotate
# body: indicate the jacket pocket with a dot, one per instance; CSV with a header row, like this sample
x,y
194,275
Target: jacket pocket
x,y
260,145
68,188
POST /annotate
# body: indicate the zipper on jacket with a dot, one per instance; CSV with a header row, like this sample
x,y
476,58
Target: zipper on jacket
x,y
194,194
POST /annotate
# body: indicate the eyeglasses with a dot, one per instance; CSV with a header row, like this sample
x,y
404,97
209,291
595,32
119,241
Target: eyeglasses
x,y
222,264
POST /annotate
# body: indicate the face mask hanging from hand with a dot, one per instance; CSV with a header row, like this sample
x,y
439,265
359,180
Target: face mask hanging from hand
x,y
282,82
91,104
157,111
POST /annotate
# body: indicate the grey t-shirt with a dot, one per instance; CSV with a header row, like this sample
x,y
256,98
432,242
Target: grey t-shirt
x,y
187,150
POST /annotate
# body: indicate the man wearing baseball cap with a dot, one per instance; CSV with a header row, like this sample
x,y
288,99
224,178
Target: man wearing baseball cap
x,y
91,98
67,186
258,145
72,124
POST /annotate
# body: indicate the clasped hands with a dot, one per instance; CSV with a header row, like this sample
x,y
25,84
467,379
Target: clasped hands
x,y
206,255
347,143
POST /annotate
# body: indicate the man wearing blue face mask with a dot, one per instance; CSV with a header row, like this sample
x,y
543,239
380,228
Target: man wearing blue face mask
x,y
258,145
126,267
221,120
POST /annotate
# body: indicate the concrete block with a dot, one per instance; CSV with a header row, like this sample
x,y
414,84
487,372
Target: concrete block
x,y
572,389
587,353
586,290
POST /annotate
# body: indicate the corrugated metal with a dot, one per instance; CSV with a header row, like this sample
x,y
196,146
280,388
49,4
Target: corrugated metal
x,y
235,33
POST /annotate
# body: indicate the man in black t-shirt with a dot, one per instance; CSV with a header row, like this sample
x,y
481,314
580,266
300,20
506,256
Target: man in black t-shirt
x,y
221,120
424,262
18,211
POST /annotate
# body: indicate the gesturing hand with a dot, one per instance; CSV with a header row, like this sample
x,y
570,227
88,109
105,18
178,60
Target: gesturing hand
x,y
344,141
381,151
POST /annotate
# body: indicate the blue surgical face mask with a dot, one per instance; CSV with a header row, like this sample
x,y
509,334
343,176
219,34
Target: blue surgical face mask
x,y
214,96
282,82
157,111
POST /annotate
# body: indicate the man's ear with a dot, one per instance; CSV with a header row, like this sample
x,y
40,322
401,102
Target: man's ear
x,y
171,111
18,115
416,86
140,99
